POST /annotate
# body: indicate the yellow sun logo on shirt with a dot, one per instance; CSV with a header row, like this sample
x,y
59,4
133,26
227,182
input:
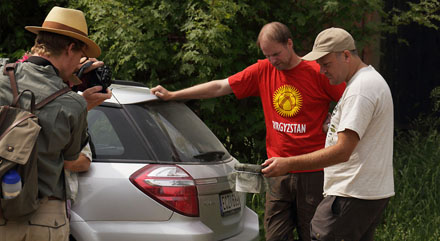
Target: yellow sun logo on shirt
x,y
287,101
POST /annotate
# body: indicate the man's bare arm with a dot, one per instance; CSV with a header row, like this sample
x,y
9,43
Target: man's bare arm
x,y
340,152
206,90
81,164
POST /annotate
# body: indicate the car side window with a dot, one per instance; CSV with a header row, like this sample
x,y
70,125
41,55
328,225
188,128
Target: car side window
x,y
104,137
113,137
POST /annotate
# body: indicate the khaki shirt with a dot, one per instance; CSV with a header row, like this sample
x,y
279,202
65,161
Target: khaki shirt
x,y
63,122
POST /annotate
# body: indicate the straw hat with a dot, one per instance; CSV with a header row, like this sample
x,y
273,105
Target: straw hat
x,y
71,23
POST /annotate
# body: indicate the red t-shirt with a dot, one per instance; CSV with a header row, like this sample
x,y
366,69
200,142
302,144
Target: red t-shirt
x,y
295,104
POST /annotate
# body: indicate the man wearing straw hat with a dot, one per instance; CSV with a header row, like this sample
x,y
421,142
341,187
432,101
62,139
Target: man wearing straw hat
x,y
61,42
357,160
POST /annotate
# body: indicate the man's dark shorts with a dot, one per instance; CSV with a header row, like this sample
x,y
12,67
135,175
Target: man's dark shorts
x,y
291,202
344,218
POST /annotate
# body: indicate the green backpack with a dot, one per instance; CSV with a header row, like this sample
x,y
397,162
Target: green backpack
x,y
19,130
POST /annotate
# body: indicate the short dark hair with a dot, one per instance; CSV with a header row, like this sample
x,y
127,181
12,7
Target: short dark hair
x,y
52,44
274,31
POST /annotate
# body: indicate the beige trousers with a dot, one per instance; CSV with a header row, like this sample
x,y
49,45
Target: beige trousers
x,y
49,223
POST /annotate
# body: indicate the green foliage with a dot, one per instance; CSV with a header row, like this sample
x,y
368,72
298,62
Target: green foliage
x,y
137,37
15,15
414,214
307,18
256,202
435,95
12,42
425,13
207,38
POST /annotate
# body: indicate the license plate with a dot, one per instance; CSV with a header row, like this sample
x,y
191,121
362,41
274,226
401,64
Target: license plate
x,y
229,203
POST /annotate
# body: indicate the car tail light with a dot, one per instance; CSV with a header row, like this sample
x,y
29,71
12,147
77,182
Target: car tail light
x,y
170,185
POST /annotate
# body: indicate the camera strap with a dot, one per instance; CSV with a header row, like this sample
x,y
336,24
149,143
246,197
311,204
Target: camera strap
x,y
83,67
42,62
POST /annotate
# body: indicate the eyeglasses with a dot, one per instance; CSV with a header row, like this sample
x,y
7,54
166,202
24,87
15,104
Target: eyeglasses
x,y
85,58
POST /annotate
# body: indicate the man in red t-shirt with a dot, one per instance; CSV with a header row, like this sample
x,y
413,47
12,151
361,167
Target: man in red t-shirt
x,y
296,100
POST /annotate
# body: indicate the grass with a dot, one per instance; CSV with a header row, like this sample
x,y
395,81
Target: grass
x,y
413,214
256,203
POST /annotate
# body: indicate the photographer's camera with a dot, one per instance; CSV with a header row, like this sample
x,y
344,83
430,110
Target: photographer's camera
x,y
101,76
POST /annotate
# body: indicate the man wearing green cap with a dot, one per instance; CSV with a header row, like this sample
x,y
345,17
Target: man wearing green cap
x,y
357,159
61,42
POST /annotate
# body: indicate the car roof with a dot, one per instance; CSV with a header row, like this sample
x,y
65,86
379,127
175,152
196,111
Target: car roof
x,y
130,94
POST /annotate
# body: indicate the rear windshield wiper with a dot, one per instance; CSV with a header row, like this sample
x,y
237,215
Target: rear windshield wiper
x,y
210,155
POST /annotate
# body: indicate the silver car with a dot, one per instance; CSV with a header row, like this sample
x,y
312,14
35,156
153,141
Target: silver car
x,y
158,173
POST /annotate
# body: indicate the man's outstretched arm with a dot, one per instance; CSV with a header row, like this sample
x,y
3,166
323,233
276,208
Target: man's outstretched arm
x,y
211,89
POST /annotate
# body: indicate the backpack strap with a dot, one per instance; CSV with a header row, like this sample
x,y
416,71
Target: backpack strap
x,y
17,122
52,97
17,98
9,70
3,114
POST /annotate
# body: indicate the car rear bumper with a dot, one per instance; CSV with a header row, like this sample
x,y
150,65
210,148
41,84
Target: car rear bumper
x,y
250,228
171,230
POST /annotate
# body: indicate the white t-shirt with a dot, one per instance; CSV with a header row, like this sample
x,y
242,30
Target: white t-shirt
x,y
366,107
72,177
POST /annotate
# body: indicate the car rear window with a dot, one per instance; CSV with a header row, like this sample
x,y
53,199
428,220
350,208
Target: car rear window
x,y
172,127
165,132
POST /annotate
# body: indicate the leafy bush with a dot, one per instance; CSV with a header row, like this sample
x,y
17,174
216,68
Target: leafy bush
x,y
414,214
435,95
